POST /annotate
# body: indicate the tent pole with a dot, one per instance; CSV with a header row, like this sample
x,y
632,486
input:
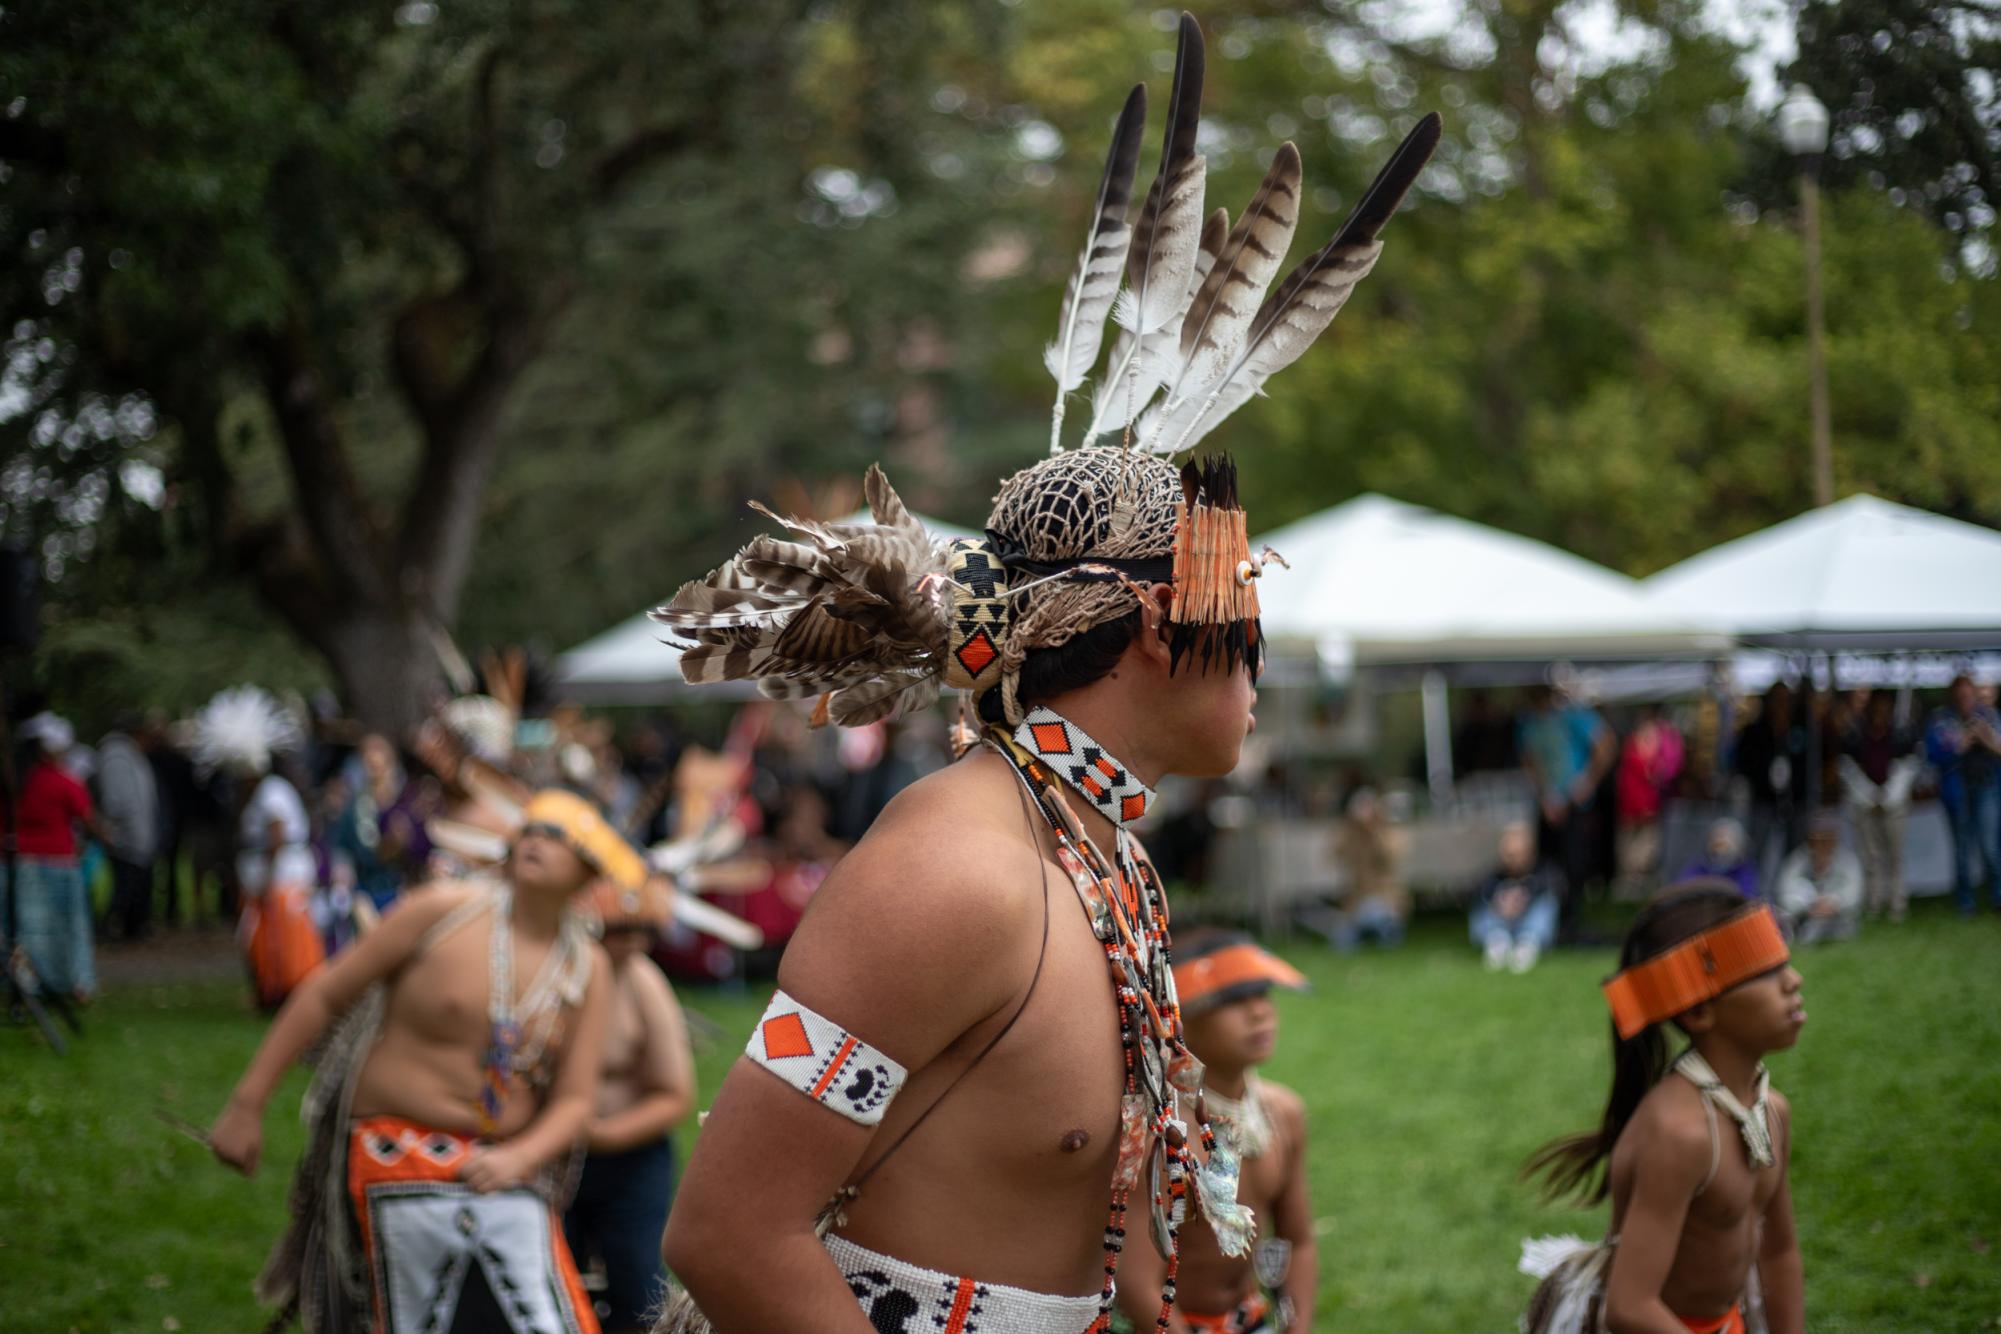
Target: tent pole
x,y
1437,734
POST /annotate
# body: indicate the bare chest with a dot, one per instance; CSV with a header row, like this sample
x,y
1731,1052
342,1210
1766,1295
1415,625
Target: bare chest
x,y
445,995
625,1029
1738,1192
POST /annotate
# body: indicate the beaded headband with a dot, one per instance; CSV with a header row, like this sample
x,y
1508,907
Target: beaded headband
x,y
1699,969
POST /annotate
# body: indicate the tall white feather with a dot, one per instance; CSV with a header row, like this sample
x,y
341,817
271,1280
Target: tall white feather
x,y
1127,387
1218,321
1177,239
1288,322
1095,282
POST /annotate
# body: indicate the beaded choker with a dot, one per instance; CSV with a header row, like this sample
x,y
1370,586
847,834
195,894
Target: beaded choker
x,y
1071,754
1127,908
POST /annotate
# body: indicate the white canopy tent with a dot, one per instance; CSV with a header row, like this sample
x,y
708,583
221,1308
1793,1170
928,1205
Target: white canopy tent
x,y
1378,581
632,663
1860,575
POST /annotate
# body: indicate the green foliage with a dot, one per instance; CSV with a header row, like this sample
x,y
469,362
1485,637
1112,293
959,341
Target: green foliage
x,y
1916,112
836,244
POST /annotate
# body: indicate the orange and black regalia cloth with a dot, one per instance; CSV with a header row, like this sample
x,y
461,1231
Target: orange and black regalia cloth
x,y
445,1259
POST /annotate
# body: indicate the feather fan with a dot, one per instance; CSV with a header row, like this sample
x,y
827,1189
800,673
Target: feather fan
x,y
854,613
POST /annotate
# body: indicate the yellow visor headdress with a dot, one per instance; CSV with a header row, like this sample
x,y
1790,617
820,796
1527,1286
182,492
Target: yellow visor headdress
x,y
579,826
1699,969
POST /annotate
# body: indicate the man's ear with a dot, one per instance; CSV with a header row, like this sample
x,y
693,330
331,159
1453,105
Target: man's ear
x,y
1697,1019
1152,637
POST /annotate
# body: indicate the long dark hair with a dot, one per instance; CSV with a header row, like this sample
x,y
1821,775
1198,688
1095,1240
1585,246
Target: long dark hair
x,y
1576,1164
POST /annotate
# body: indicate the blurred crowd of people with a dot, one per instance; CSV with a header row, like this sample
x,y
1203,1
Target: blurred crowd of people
x,y
1812,798
116,839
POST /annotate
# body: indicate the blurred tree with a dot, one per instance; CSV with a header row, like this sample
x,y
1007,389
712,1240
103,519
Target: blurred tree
x,y
1916,110
282,273
262,261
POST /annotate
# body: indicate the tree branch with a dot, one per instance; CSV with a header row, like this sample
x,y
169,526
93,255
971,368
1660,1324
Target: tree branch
x,y
323,483
643,149
440,520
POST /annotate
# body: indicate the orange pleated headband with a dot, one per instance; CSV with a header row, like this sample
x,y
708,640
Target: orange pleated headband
x,y
1701,968
1229,970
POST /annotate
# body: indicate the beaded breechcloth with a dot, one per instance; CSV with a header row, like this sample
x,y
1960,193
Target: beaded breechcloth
x,y
902,1298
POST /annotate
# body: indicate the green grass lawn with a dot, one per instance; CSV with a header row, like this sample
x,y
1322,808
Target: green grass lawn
x,y
1429,1080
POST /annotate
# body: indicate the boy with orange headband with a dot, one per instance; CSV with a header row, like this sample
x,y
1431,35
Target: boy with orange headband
x,y
1701,1233
1247,1286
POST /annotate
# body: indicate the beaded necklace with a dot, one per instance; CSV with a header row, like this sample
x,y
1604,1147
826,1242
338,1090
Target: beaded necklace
x,y
518,1033
1127,908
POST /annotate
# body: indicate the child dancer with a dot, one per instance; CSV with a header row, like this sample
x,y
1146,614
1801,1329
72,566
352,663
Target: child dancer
x,y
1702,1214
1224,982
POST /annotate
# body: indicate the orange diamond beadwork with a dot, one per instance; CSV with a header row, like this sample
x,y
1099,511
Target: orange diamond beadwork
x,y
1051,738
786,1036
1133,806
977,653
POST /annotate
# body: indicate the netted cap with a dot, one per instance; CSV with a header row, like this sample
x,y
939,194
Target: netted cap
x,y
1080,505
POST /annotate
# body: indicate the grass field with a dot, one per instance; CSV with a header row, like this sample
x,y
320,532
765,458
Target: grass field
x,y
1428,1079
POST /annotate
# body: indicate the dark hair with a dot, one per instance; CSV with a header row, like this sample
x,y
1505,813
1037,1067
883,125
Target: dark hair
x,y
1576,1164
1071,665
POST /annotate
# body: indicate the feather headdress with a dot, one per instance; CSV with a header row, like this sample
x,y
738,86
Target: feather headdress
x,y
1199,334
242,728
870,617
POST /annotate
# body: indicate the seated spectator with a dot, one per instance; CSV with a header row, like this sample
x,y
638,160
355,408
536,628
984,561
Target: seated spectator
x,y
1514,916
1820,884
1725,858
1373,903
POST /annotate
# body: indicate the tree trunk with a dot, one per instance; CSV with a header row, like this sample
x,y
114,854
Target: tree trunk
x,y
387,666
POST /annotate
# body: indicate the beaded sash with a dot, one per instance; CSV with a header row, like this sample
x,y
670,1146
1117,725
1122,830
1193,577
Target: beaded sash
x,y
1127,908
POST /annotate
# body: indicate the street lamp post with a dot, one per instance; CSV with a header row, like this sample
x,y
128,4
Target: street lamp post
x,y
1803,124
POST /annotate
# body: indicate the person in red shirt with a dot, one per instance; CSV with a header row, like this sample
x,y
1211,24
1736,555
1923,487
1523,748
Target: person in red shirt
x,y
1648,765
50,913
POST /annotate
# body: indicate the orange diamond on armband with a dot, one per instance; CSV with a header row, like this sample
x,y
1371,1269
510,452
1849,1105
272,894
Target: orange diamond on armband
x,y
785,1036
1133,806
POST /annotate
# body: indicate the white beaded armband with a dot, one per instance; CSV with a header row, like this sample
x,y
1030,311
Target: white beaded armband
x,y
824,1061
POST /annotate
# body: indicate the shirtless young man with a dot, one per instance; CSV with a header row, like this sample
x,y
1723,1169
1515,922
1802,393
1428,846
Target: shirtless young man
x,y
978,1007
465,1065
1694,1155
646,1087
1225,983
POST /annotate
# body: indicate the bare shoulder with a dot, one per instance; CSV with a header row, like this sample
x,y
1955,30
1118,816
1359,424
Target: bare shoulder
x,y
433,899
931,910
1782,1116
1284,1105
954,851
420,909
1669,1131
644,979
